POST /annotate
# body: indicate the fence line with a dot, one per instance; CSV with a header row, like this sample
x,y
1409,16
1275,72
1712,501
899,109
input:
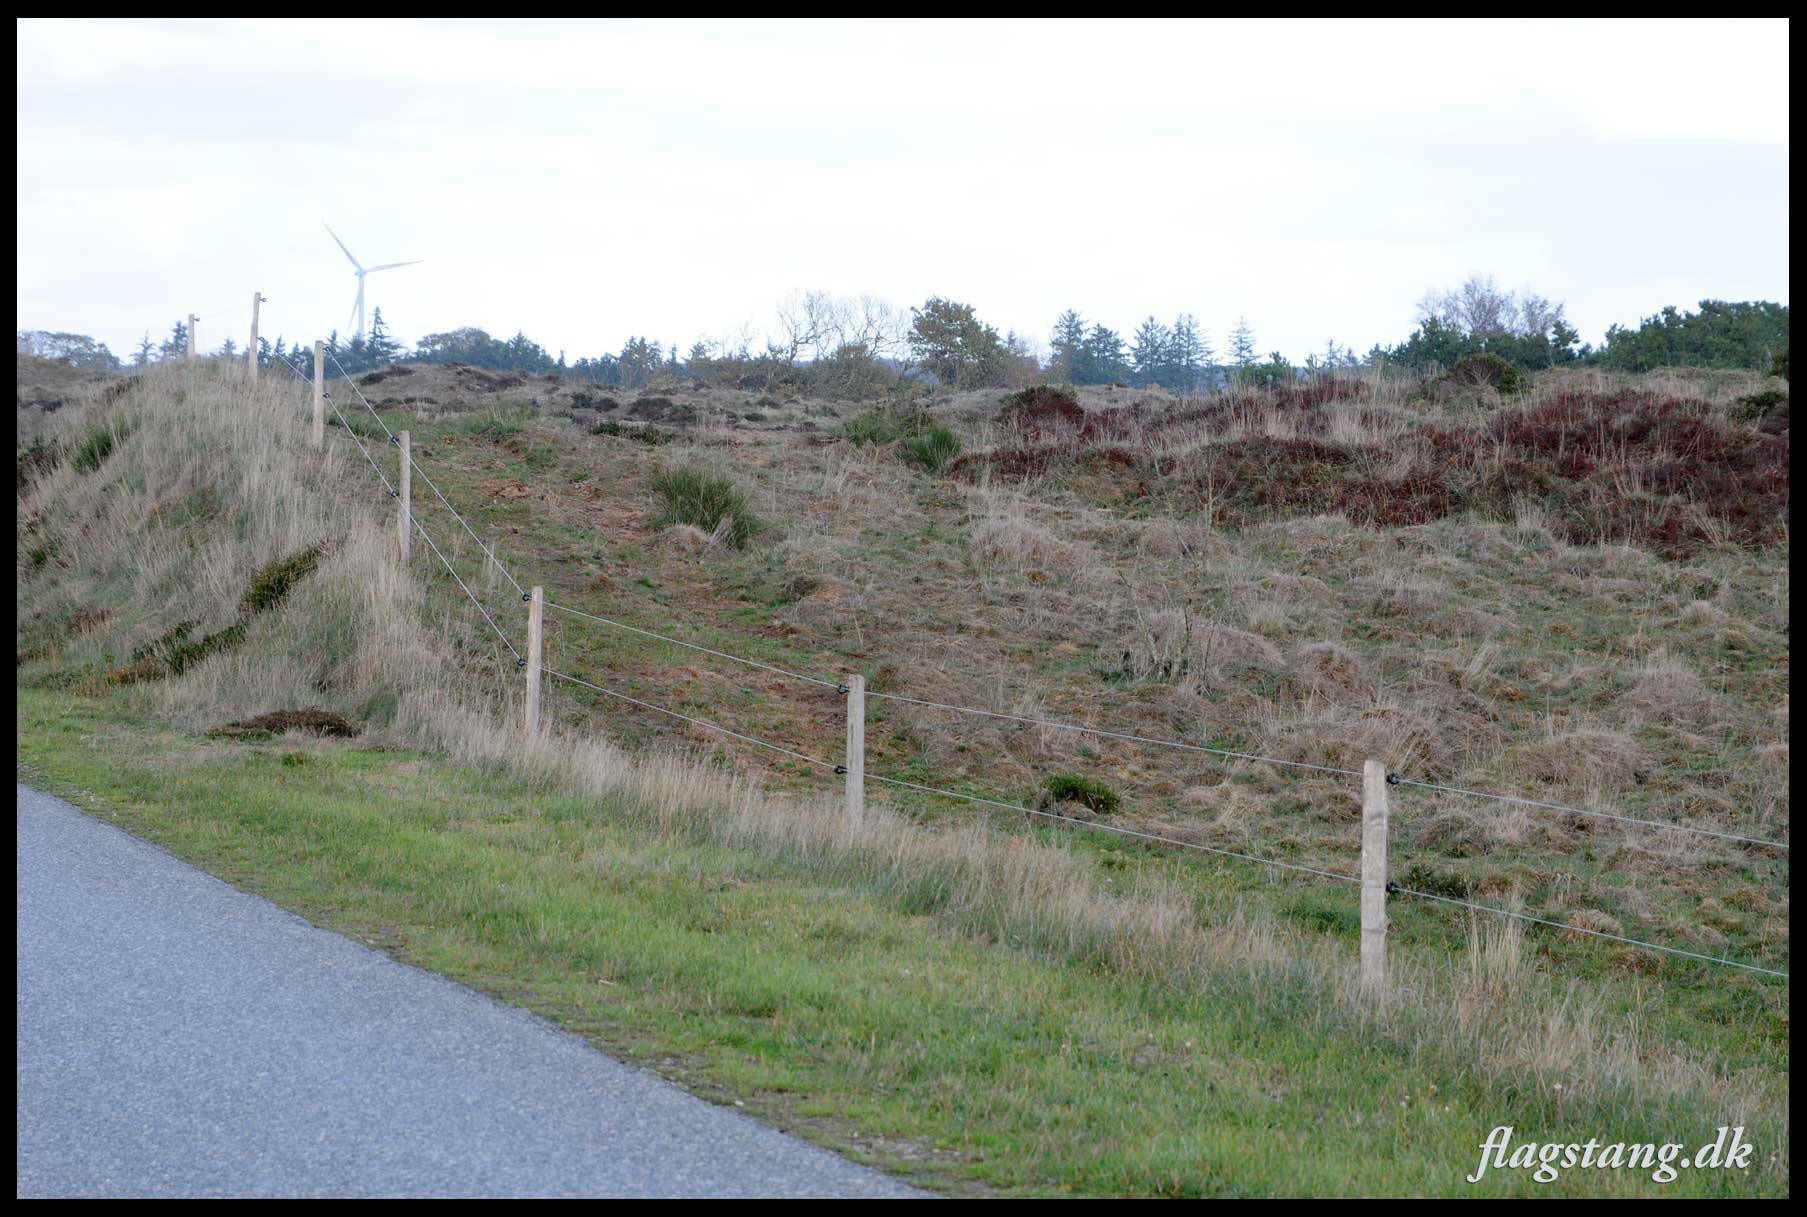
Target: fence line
x,y
1636,942
1113,828
1122,735
700,722
1583,811
488,552
751,663
420,527
1391,778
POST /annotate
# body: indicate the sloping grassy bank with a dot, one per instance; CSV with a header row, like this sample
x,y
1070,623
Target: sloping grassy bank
x,y
838,1010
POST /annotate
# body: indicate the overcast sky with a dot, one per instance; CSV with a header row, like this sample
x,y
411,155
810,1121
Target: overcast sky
x,y
586,181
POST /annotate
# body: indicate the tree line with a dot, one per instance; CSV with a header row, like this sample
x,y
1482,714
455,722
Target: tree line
x,y
860,347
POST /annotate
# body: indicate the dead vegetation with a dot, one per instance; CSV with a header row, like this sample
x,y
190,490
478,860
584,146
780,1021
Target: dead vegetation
x,y
311,720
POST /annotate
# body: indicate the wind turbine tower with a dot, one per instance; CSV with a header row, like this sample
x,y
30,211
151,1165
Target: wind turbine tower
x,y
357,309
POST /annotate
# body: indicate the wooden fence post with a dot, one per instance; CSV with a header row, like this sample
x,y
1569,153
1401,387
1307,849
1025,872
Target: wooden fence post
x,y
319,393
536,617
405,486
856,750
257,298
1374,878
191,336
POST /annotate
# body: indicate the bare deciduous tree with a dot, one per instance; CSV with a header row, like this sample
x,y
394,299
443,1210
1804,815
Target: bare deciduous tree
x,y
1480,308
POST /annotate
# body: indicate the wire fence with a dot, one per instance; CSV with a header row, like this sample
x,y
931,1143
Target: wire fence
x,y
1026,720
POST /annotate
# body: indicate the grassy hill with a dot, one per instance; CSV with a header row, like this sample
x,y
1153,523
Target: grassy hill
x,y
1578,595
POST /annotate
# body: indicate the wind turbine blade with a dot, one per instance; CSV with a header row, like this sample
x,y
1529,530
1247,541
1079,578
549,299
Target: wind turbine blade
x,y
339,243
392,265
354,305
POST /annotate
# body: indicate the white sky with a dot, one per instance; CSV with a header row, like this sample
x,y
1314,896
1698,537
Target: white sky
x,y
589,180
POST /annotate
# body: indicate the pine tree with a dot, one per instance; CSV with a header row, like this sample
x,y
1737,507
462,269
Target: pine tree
x,y
1187,354
176,345
381,348
1242,344
147,352
228,350
1148,353
1102,360
1067,345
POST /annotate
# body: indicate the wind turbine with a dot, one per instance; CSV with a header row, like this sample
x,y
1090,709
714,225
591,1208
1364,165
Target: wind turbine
x,y
357,310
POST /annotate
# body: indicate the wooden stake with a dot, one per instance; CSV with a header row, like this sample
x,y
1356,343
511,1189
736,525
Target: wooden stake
x,y
404,524
536,615
257,298
856,750
1374,878
319,394
191,336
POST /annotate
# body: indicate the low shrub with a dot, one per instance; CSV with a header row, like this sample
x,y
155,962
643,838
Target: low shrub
x,y
707,501
1755,407
1421,878
1040,406
932,449
1090,794
872,428
648,435
1488,370
313,719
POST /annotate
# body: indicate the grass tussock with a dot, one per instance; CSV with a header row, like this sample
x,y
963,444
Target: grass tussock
x,y
98,443
1075,788
932,449
706,501
501,422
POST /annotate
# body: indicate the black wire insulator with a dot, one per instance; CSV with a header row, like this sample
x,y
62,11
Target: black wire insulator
x,y
1393,779
842,689
519,662
1393,889
840,769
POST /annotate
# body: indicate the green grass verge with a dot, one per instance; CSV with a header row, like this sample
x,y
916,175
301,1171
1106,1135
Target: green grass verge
x,y
830,1011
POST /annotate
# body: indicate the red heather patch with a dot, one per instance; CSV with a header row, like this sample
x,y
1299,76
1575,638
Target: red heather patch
x,y
1418,499
1040,409
1322,392
1263,477
1662,473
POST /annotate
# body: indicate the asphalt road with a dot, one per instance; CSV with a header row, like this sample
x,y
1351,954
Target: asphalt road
x,y
177,1037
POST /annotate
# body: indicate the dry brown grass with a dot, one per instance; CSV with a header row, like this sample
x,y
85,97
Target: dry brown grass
x,y
1309,638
